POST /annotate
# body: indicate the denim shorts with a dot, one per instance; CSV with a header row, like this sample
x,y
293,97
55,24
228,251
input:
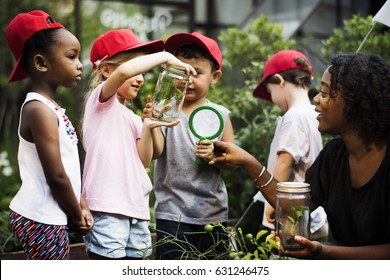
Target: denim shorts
x,y
117,236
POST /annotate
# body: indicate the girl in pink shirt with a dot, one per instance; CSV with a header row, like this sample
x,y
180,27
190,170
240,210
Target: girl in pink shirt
x,y
119,145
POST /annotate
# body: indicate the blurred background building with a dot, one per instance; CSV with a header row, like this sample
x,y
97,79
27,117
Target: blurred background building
x,y
306,21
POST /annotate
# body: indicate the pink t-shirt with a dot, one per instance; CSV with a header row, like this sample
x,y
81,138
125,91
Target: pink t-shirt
x,y
114,178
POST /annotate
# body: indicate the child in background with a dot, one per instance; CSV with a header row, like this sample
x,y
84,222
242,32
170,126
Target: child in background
x,y
49,197
119,145
297,141
189,196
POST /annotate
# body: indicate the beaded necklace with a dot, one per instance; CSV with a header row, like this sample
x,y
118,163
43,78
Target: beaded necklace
x,y
68,125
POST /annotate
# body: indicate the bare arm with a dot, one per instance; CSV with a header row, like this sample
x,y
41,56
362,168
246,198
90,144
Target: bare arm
x,y
40,124
86,213
137,66
145,145
284,166
152,140
158,142
232,154
157,136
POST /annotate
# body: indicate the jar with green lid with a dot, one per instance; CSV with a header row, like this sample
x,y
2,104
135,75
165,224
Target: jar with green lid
x,y
292,213
169,94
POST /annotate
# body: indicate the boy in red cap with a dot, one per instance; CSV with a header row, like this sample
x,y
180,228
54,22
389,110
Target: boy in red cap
x,y
119,146
189,196
297,141
49,197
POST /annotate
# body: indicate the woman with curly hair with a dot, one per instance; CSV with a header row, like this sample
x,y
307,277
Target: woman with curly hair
x,y
350,178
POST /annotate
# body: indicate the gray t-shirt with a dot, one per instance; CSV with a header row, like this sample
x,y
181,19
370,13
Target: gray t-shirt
x,y
187,192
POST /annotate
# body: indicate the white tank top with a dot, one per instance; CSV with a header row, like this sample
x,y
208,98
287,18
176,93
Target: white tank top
x,y
34,199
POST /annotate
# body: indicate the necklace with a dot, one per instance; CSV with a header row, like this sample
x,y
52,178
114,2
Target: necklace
x,y
68,125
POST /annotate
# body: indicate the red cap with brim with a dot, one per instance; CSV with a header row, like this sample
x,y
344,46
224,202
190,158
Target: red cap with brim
x,y
22,28
281,61
119,40
195,38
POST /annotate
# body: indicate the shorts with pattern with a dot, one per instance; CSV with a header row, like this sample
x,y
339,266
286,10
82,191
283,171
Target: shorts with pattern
x,y
40,241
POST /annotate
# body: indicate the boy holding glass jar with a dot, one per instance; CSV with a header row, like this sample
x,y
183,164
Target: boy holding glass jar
x,y
190,196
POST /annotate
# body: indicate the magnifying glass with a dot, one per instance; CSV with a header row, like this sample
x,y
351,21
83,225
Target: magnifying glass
x,y
206,123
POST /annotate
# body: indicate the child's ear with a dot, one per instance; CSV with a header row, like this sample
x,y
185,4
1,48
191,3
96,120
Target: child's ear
x,y
106,70
216,75
40,63
280,79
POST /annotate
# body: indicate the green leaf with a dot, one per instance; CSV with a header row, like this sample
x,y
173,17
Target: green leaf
x,y
260,234
291,219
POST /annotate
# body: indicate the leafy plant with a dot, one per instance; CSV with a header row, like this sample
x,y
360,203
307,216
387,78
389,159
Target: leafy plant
x,y
298,211
348,38
260,247
8,243
289,225
238,246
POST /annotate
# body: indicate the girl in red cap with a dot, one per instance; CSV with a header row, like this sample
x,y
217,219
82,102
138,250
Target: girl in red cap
x,y
49,197
119,145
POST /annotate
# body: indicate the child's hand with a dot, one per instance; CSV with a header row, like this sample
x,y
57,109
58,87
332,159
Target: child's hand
x,y
153,124
270,214
88,221
147,112
205,150
82,226
173,60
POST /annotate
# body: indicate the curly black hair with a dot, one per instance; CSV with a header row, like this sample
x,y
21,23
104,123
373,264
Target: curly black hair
x,y
363,81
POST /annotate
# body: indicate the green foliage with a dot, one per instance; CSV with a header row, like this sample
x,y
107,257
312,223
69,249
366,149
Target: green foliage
x,y
8,243
348,38
9,178
237,244
247,247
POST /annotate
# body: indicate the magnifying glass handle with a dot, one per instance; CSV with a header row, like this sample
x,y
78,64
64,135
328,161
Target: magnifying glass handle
x,y
199,161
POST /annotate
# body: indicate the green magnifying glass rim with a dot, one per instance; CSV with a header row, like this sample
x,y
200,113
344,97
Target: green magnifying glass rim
x,y
216,111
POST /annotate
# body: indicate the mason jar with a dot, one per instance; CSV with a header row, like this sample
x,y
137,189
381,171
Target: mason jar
x,y
169,94
292,213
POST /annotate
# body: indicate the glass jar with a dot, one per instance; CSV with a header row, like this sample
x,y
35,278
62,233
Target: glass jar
x,y
292,213
169,94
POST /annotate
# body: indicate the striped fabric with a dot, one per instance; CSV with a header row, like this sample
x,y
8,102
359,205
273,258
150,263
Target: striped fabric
x,y
40,241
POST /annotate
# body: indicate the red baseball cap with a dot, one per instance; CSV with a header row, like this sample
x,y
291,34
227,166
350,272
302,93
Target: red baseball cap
x,y
19,30
178,39
119,40
281,61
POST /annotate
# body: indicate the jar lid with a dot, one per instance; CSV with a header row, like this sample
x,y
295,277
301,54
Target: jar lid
x,y
293,187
